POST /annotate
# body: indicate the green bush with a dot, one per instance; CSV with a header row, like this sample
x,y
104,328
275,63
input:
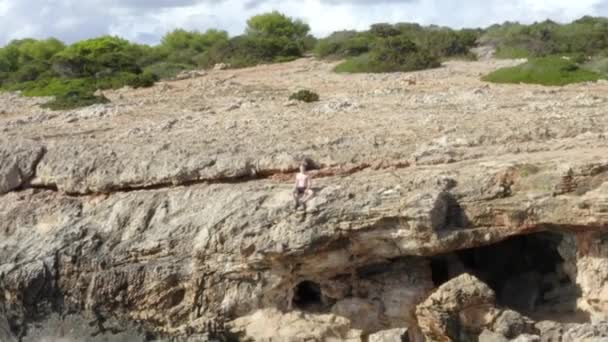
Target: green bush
x,y
249,50
166,70
89,57
551,71
275,24
186,47
393,54
439,42
143,80
74,100
344,44
588,36
305,96
384,30
53,87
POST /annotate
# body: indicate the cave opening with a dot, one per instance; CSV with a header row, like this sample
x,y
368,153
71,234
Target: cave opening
x,y
307,296
526,272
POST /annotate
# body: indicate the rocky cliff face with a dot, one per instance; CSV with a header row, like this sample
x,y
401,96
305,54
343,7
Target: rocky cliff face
x,y
442,206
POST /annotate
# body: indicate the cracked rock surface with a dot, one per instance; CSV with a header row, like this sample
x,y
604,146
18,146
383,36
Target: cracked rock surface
x,y
168,214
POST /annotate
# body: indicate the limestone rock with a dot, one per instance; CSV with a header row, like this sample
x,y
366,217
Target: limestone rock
x,y
512,324
18,163
220,66
164,212
461,307
363,314
526,338
490,336
188,74
271,325
587,333
393,335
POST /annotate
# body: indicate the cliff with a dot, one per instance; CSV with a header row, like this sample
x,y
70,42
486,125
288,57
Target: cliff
x,y
168,213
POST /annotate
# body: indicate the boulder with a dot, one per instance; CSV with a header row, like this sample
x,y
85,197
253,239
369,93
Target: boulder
x,y
272,325
462,307
587,333
526,338
392,335
18,161
511,324
221,66
490,336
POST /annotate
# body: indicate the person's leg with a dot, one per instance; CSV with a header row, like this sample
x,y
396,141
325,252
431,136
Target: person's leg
x,y
296,199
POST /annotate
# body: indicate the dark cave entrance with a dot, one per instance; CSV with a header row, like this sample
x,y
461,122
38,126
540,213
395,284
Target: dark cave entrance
x,y
307,296
526,272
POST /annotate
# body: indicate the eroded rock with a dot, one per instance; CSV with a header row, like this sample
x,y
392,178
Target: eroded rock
x,y
18,162
270,325
393,335
166,211
462,307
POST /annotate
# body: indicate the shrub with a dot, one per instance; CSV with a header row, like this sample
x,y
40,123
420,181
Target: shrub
x,y
249,50
53,87
344,44
391,55
305,96
166,70
143,80
587,35
74,100
275,24
99,55
384,30
184,47
553,71
437,41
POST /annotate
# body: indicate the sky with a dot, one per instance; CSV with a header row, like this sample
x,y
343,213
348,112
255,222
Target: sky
x,y
146,21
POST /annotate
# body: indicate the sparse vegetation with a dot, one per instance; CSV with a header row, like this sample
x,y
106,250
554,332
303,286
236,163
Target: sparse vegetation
x,y
305,96
51,68
73,73
550,71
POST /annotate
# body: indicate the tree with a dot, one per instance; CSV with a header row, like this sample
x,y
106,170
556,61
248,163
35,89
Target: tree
x,y
40,50
98,55
400,54
275,24
186,47
384,30
183,40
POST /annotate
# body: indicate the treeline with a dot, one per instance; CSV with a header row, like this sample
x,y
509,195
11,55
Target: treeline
x,y
72,73
584,37
400,47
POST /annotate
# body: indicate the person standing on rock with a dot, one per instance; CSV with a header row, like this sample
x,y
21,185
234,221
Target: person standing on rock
x,y
303,188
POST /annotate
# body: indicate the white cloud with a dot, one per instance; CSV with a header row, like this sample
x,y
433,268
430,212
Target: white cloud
x,y
147,20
